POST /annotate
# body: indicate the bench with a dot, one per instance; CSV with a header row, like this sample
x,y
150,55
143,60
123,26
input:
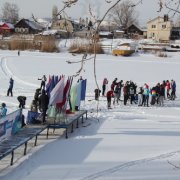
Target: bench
x,y
70,121
9,145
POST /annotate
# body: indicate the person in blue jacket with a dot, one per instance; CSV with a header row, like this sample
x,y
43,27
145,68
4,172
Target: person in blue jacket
x,y
3,111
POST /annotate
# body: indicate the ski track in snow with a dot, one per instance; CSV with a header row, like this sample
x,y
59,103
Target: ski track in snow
x,y
115,169
8,73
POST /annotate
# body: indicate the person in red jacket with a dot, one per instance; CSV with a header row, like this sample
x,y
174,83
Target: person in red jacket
x,y
109,95
168,87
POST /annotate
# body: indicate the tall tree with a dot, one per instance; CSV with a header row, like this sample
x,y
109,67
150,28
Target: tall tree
x,y
10,12
124,14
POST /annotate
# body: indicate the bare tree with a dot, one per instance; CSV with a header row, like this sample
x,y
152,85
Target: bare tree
x,y
124,14
10,12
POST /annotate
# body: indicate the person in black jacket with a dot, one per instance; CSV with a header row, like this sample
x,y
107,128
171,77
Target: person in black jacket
x,y
43,104
22,101
11,84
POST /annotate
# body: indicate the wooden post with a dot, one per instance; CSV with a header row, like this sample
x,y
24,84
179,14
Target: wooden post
x,y
66,133
25,148
35,143
47,133
72,126
12,157
86,114
82,119
77,125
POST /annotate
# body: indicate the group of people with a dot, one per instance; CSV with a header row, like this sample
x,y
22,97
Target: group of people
x,y
142,96
40,101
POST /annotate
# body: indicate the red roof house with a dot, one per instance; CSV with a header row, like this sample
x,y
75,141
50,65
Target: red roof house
x,y
6,28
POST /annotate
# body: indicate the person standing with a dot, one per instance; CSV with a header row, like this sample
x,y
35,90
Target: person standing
x,y
140,96
173,92
168,87
97,94
109,95
43,82
43,104
11,84
126,93
146,95
161,95
105,82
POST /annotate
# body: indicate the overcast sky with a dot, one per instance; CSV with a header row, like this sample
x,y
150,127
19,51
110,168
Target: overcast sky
x,y
43,8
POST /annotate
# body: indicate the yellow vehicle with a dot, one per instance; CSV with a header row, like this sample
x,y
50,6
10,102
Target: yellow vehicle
x,y
125,49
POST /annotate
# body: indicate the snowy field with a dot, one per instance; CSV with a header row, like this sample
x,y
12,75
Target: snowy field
x,y
125,143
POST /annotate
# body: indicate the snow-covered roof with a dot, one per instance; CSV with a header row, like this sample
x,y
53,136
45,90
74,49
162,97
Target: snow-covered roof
x,y
49,32
33,25
105,33
11,26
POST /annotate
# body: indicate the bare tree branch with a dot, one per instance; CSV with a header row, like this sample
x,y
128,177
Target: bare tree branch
x,y
175,166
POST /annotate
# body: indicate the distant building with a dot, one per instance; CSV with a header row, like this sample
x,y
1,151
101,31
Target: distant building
x,y
26,26
6,28
66,25
134,31
159,29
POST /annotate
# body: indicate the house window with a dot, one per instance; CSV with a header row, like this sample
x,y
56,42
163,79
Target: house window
x,y
153,34
163,26
22,30
153,26
26,30
17,30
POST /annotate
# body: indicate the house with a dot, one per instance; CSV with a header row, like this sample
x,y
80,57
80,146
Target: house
x,y
66,25
6,28
159,29
26,26
134,31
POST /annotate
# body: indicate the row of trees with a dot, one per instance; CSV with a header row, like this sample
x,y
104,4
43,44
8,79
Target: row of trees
x,y
10,12
124,13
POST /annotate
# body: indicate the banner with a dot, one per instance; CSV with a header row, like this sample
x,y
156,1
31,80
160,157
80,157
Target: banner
x,y
10,124
83,89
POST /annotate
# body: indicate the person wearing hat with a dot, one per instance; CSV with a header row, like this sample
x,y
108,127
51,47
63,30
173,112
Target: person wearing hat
x,y
3,111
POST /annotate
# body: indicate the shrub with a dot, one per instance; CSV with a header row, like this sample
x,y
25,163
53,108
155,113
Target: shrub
x,y
49,46
84,45
20,45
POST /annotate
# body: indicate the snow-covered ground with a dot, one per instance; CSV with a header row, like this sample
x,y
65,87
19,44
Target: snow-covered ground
x,y
127,142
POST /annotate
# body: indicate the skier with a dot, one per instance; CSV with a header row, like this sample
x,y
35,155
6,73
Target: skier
x,y
11,84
